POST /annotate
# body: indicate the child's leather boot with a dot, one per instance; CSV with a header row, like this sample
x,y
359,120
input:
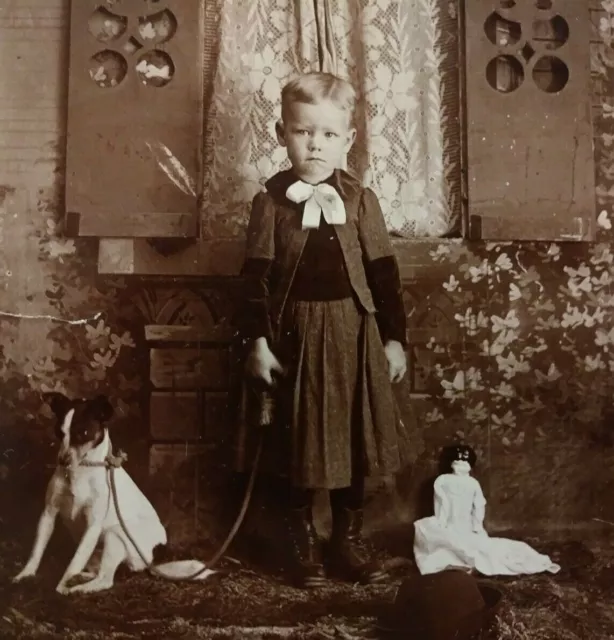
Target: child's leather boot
x,y
348,556
305,550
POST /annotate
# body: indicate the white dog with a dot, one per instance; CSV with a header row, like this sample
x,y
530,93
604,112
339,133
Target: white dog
x,y
80,492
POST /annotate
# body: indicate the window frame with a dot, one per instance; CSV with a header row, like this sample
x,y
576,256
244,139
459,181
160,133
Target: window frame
x,y
223,257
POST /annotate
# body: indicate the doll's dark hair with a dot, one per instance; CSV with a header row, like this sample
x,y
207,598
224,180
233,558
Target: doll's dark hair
x,y
455,452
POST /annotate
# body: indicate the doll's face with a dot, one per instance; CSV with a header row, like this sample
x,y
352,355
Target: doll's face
x,y
461,467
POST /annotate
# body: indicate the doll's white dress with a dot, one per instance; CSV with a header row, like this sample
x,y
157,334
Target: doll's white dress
x,y
455,535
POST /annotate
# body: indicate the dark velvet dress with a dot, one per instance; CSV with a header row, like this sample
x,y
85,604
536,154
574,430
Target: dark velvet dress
x,y
335,412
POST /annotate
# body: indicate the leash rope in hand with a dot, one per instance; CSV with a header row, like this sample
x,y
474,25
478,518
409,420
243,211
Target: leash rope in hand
x,y
113,462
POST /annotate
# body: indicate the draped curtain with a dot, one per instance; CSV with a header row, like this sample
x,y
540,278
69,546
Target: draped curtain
x,y
391,52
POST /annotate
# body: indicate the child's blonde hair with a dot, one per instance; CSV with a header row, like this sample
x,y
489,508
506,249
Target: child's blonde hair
x,y
311,88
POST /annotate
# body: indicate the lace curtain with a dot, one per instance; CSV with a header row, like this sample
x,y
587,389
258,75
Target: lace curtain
x,y
389,49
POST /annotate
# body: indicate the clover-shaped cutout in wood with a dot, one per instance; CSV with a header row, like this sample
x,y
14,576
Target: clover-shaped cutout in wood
x,y
153,24
526,46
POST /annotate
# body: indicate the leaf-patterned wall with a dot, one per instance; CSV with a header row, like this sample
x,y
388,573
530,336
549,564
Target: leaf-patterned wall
x,y
520,361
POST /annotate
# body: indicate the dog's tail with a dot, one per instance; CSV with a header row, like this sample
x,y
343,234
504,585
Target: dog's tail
x,y
184,570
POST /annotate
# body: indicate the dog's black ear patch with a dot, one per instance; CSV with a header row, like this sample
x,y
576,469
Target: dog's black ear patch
x,y
102,409
58,403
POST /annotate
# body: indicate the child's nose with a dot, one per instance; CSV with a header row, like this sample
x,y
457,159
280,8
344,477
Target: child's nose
x,y
314,143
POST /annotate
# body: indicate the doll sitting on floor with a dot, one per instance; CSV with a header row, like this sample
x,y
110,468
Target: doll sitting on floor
x,y
455,535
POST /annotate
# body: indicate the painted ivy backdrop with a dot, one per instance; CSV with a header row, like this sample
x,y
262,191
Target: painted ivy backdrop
x,y
513,343
61,328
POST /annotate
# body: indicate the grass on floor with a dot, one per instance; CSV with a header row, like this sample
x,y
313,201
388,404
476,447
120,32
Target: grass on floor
x,y
576,604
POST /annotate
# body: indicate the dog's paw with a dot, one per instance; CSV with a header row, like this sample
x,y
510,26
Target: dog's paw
x,y
90,587
23,575
87,575
63,589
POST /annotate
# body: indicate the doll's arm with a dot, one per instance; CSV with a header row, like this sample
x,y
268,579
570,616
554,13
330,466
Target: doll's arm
x,y
382,270
260,251
479,509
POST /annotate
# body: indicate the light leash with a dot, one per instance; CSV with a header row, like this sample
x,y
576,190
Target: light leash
x,y
112,462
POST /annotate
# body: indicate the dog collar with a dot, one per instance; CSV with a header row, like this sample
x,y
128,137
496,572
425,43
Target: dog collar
x,y
111,461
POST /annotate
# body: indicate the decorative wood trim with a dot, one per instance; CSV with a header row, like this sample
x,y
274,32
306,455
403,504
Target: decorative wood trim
x,y
116,256
224,258
548,225
188,369
134,225
204,258
188,334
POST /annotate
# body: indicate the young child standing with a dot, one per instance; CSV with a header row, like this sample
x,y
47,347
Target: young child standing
x,y
324,315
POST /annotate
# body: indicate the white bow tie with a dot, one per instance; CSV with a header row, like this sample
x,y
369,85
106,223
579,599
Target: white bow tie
x,y
320,199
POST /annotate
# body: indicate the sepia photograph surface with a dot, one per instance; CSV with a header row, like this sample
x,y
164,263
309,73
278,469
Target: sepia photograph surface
x,y
307,319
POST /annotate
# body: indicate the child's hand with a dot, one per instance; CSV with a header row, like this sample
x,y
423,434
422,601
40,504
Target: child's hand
x,y
397,361
261,362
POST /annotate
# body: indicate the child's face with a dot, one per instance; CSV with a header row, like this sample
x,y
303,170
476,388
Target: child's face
x,y
317,137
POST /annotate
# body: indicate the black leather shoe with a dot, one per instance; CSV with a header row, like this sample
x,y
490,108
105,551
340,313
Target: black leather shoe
x,y
348,556
305,550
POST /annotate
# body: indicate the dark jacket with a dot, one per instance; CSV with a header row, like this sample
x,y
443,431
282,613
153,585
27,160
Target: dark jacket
x,y
275,241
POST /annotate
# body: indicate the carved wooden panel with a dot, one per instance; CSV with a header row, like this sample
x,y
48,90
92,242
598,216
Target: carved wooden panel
x,y
174,470
175,415
189,368
189,336
529,155
135,118
218,426
190,362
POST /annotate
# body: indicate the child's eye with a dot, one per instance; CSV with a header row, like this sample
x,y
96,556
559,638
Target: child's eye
x,y
330,134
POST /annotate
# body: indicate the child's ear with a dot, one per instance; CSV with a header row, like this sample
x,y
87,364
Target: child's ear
x,y
58,403
351,137
279,130
102,408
